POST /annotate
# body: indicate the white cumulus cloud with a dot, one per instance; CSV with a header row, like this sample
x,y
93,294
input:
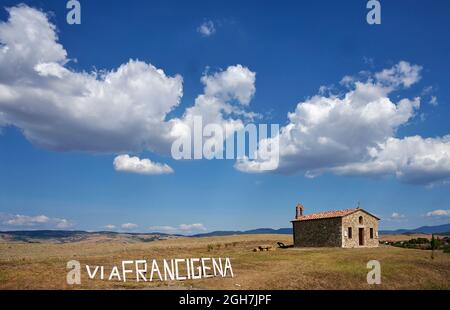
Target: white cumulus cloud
x,y
236,82
439,213
411,159
60,109
129,226
121,110
395,216
191,227
354,134
63,223
182,228
434,101
36,221
23,220
207,28
402,73
125,163
224,102
125,110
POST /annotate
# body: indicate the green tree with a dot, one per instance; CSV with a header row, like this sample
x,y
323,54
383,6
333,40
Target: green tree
x,y
433,245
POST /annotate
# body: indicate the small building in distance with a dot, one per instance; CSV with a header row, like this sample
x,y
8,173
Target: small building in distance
x,y
349,228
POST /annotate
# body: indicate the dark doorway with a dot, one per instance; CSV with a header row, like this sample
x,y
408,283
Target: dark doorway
x,y
361,236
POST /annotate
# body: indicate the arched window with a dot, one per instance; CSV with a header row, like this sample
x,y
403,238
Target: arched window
x,y
361,220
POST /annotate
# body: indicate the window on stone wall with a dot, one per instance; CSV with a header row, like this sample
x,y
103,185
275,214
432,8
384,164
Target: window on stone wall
x,y
371,233
349,232
361,220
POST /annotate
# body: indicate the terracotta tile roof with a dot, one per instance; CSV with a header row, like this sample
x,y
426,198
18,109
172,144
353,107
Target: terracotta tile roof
x,y
327,214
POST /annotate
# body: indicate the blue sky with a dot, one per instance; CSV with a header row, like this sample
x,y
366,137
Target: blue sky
x,y
294,48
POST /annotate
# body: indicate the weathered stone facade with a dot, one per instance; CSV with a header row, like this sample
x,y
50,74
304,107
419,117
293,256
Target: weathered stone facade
x,y
351,228
353,221
318,233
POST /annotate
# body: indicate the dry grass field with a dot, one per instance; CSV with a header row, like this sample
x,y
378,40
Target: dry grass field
x,y
43,265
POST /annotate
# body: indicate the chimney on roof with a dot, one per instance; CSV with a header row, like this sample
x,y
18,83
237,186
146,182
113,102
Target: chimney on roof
x,y
299,211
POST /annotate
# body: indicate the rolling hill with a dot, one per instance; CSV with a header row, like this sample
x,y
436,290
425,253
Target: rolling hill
x,y
65,236
440,229
259,231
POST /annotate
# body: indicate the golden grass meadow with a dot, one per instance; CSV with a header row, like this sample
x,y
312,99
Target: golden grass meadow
x,y
43,265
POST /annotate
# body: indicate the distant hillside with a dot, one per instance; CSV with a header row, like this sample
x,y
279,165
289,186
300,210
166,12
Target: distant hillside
x,y
66,236
259,231
440,229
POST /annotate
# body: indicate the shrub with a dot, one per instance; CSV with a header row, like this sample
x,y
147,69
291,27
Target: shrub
x,y
434,243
